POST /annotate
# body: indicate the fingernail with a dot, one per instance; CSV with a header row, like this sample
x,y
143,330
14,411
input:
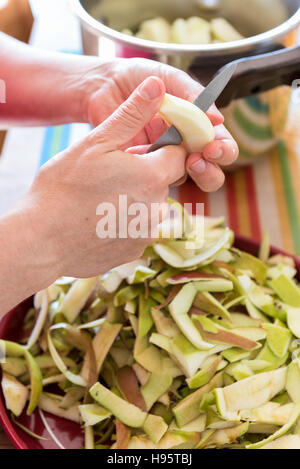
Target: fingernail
x,y
217,155
199,166
151,88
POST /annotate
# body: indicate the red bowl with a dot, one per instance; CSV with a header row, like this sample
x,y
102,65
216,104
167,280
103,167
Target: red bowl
x,y
68,433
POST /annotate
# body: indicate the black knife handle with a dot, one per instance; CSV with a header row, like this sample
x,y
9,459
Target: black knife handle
x,y
260,73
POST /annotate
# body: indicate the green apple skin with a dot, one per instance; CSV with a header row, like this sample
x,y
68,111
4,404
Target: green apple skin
x,y
127,413
15,350
281,432
155,427
52,405
92,414
287,290
15,394
293,381
251,392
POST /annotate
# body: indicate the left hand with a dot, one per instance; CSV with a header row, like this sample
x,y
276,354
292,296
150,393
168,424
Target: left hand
x,y
109,85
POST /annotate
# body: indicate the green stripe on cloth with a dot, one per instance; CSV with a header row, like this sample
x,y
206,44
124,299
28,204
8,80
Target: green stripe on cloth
x,y
291,201
250,128
257,105
55,145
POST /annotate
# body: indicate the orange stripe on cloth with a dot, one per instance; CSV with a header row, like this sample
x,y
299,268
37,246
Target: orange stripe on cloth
x,y
253,211
242,203
189,193
285,228
231,199
295,171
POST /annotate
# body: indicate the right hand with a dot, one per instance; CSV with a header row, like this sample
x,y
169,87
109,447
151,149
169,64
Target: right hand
x,y
68,189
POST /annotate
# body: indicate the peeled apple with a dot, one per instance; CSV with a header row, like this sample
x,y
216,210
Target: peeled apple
x,y
193,124
192,31
224,31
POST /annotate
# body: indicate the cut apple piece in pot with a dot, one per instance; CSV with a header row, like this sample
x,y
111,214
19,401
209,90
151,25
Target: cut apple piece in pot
x,y
223,31
191,31
157,29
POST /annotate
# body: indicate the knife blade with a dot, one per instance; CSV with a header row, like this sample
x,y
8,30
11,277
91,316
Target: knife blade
x,y
206,98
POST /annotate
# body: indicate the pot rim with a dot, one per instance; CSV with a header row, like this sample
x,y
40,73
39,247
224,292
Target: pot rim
x,y
99,28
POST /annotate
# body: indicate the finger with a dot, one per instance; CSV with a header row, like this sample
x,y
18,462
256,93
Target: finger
x,y
180,181
222,152
140,139
132,116
169,163
156,128
208,176
149,134
138,150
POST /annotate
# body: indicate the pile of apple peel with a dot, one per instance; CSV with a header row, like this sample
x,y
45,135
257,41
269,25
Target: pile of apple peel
x,y
191,346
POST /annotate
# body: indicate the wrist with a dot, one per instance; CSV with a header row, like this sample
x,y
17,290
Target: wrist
x,y
29,262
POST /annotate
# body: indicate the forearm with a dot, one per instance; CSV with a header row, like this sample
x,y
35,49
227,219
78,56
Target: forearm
x,y
43,88
27,262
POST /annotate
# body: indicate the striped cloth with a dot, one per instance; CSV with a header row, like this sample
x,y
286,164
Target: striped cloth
x,y
256,198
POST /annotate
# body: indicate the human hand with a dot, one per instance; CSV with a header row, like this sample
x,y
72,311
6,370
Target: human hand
x,y
69,188
107,86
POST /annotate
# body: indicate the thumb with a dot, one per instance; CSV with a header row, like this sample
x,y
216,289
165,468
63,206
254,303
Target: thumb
x,y
132,116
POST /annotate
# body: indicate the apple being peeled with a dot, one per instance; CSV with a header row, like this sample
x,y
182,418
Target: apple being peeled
x,y
193,124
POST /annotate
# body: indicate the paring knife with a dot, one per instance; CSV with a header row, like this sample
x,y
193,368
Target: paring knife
x,y
207,97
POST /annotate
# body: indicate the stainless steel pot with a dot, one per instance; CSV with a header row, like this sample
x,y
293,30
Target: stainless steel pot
x,y
263,22
268,25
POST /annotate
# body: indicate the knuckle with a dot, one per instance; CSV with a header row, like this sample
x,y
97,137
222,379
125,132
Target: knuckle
x,y
131,113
